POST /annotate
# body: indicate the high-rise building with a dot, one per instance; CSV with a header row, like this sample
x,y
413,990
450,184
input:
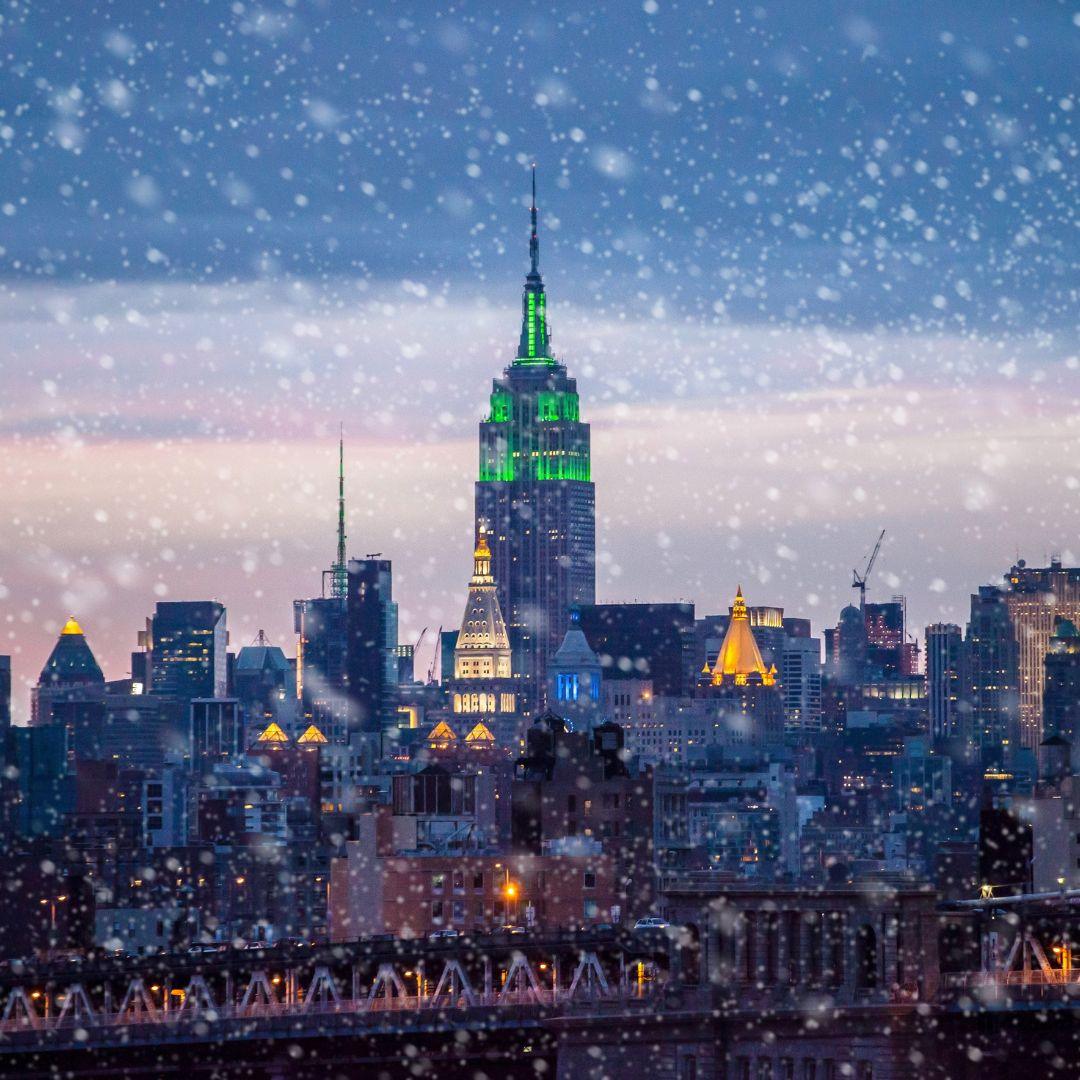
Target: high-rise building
x,y
5,692
186,645
482,690
643,641
371,666
70,674
322,639
1036,598
800,685
946,680
1061,692
993,674
535,497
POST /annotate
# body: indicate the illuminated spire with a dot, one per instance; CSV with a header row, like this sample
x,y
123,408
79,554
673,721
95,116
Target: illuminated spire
x,y
71,626
339,572
482,561
534,346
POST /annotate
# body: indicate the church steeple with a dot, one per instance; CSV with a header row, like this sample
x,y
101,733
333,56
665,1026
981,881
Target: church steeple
x,y
534,346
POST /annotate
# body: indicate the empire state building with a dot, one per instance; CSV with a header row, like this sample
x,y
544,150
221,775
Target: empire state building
x,y
535,498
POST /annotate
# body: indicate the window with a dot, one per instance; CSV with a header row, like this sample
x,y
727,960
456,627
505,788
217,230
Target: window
x,y
809,1069
436,911
592,909
438,882
459,881
459,911
478,880
479,909
590,879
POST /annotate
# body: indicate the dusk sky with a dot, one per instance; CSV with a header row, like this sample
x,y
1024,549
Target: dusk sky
x,y
814,267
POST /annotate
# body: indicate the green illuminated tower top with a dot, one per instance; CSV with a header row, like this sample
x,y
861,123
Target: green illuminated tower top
x,y
535,344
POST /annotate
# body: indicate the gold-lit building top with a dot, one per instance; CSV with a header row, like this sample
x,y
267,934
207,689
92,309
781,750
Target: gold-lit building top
x,y
739,658
71,627
273,734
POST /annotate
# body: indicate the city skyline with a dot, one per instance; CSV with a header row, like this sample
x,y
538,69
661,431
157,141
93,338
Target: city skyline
x,y
828,317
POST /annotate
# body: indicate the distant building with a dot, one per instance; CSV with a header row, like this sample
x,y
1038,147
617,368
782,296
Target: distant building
x,y
575,679
372,620
946,678
322,648
5,692
264,684
70,674
483,689
642,641
217,732
800,685
1036,598
1061,694
534,496
186,645
993,674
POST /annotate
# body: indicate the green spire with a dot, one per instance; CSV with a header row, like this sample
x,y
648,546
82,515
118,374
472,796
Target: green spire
x,y
534,346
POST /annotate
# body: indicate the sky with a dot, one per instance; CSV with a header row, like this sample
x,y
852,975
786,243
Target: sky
x,y
813,266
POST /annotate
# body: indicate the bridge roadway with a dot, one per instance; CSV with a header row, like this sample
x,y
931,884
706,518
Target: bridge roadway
x,y
451,1001
564,1005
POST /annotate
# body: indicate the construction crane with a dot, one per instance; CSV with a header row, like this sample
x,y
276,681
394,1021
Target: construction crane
x,y
858,581
435,658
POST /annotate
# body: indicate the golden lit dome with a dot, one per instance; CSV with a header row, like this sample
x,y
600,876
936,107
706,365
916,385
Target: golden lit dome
x,y
312,735
71,626
740,656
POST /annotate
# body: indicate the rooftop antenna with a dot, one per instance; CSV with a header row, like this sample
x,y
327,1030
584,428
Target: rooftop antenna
x,y
339,572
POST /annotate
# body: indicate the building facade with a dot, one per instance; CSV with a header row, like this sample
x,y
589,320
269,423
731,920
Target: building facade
x,y
946,680
534,497
1036,598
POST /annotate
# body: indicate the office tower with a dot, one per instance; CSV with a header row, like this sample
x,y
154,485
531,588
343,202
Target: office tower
x,y
482,689
643,641
70,674
800,684
740,679
993,675
5,692
1061,691
945,680
264,684
534,496
371,663
185,643
216,732
575,680
322,639
852,647
1036,598
888,652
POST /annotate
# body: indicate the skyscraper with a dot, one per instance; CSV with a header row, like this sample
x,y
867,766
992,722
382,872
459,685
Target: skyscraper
x,y
945,679
70,674
186,642
534,497
1036,598
993,671
322,638
1061,692
371,616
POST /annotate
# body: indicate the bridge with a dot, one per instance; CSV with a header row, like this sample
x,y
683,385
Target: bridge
x,y
751,982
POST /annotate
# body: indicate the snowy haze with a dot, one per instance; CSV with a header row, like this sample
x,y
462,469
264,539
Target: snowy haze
x,y
813,267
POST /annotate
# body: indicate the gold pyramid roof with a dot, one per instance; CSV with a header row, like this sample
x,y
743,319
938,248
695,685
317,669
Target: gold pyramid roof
x,y
312,735
739,656
71,626
273,734
442,732
480,734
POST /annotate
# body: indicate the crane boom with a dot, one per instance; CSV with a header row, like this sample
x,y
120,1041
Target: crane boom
x,y
435,658
858,581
